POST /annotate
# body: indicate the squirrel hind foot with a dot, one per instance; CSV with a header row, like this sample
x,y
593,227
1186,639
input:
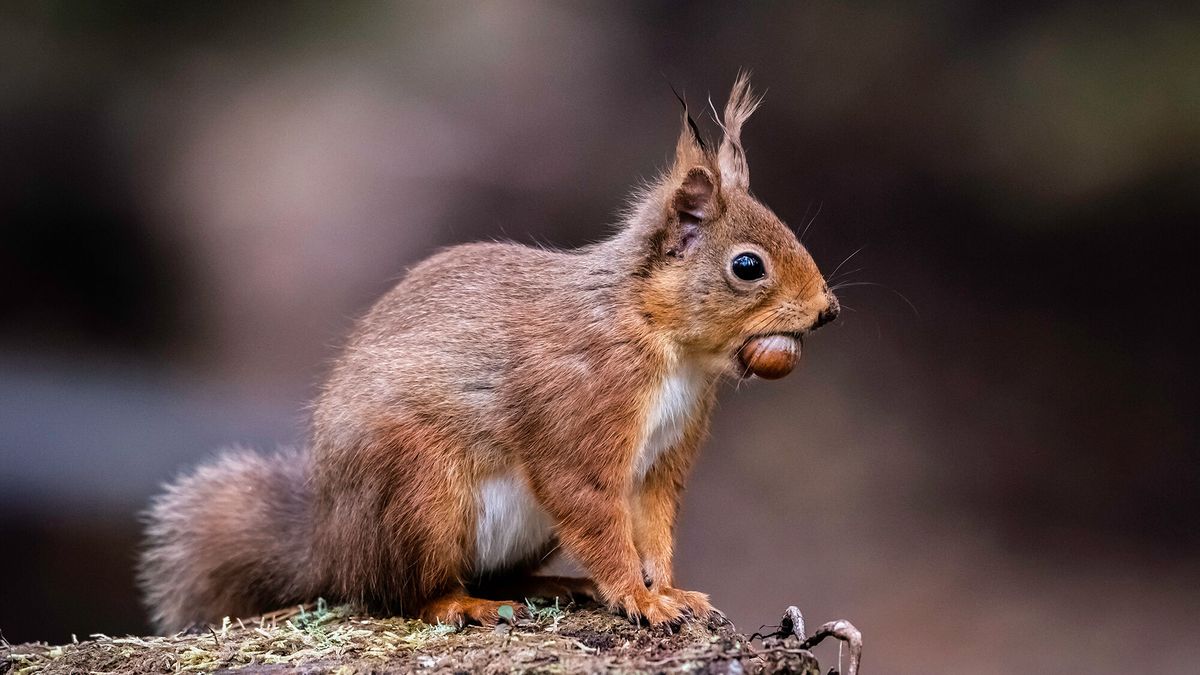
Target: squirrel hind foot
x,y
459,609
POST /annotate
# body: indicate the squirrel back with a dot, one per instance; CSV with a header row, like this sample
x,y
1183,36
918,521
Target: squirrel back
x,y
504,400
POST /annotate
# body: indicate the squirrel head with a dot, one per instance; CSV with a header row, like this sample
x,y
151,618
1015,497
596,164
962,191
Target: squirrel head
x,y
720,268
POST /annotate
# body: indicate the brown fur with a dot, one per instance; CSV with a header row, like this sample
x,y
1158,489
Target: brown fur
x,y
501,360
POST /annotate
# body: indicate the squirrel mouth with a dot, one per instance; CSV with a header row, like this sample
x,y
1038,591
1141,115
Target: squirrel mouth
x,y
770,356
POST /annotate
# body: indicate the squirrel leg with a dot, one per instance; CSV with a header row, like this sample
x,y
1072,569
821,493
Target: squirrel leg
x,y
580,472
655,509
595,527
459,609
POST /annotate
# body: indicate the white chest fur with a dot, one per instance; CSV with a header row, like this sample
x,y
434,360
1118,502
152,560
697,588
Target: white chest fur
x,y
510,525
671,407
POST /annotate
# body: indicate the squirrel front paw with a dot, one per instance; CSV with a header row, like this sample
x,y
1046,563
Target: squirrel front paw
x,y
653,608
694,603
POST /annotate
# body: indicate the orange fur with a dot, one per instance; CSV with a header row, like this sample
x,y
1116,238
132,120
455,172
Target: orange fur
x,y
499,402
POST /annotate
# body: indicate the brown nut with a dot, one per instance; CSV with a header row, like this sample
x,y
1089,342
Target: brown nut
x,y
770,356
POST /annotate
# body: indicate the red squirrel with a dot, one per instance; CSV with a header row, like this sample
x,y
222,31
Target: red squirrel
x,y
503,401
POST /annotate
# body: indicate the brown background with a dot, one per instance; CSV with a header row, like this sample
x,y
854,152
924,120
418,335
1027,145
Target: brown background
x,y
196,199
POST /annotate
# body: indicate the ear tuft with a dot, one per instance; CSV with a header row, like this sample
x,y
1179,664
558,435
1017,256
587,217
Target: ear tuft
x,y
690,130
691,148
731,157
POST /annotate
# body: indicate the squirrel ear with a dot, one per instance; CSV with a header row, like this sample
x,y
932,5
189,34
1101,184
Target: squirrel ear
x,y
690,204
693,198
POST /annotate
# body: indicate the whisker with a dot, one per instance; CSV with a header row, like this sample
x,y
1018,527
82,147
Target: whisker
x,y
851,284
846,274
765,325
803,218
846,260
812,280
764,321
820,205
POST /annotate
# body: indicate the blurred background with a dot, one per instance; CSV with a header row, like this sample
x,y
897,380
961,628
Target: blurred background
x,y
989,463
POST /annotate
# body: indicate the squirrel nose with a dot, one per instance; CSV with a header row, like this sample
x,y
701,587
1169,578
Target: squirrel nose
x,y
828,314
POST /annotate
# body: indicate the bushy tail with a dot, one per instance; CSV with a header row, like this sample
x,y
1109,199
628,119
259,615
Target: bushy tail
x,y
231,538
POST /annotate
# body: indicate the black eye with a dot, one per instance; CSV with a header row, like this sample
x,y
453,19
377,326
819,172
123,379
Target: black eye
x,y
748,267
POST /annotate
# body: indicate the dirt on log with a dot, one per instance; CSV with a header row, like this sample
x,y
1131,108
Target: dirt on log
x,y
335,640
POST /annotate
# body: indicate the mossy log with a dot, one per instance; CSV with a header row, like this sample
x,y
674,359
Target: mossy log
x,y
336,640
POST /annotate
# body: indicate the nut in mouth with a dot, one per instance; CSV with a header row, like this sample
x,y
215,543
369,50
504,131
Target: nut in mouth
x,y
770,356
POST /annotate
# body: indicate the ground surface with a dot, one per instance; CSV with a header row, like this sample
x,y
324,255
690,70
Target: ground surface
x,y
322,639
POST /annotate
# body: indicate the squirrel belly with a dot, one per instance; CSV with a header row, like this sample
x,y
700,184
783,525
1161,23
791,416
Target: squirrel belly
x,y
511,526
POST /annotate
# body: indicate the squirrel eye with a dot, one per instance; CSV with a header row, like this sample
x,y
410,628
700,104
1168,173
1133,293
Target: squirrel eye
x,y
748,267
